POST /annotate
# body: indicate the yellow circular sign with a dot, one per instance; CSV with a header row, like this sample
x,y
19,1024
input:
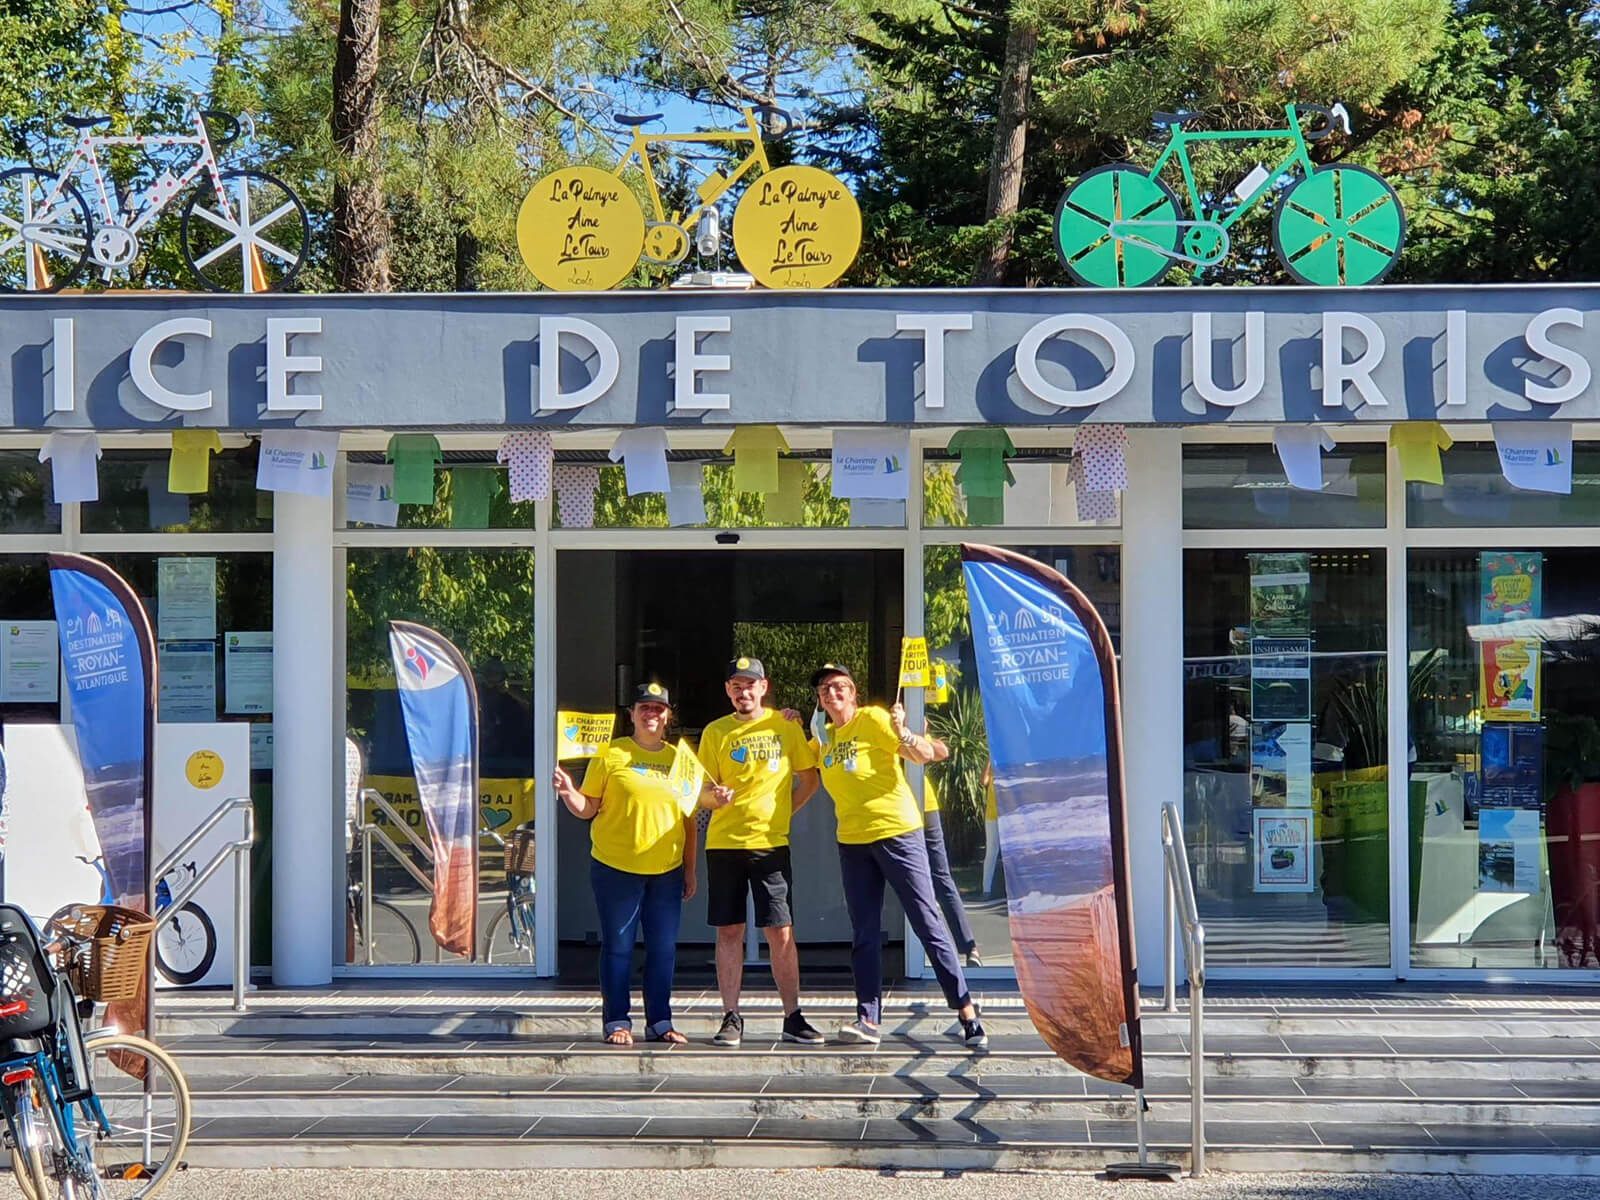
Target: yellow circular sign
x,y
797,227
204,769
580,229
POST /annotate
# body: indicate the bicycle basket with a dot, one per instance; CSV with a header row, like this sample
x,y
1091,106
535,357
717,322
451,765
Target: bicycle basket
x,y
24,975
519,852
109,960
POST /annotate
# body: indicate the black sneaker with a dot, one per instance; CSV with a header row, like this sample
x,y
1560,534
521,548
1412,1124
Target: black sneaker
x,y
972,1031
732,1031
797,1029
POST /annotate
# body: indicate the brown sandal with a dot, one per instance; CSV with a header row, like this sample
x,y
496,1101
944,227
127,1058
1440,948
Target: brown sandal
x,y
620,1037
672,1037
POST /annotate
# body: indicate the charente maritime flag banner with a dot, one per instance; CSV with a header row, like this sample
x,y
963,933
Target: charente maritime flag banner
x,y
440,705
1048,678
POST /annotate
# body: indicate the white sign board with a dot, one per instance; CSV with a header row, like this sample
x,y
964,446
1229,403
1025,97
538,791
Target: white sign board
x,y
50,831
198,767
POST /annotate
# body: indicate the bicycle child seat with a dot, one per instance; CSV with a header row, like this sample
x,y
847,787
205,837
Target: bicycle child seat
x,y
27,982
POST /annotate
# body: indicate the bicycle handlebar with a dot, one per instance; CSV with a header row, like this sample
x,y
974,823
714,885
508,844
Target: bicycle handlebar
x,y
229,122
1329,120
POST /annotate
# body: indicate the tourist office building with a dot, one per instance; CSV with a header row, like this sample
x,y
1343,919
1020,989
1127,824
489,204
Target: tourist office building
x,y
1376,703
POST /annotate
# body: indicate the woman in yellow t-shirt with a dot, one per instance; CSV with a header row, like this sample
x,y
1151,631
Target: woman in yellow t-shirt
x,y
881,843
642,864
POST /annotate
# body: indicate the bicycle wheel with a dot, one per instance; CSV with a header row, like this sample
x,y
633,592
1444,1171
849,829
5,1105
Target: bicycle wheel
x,y
394,938
1340,226
500,944
1095,256
580,229
42,245
186,947
144,1098
252,237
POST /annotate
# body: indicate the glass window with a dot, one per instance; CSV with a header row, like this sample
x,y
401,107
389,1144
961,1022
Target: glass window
x,y
482,600
134,496
1475,493
470,491
199,604
1504,646
26,488
806,502
974,898
1286,762
25,585
1243,487
1040,494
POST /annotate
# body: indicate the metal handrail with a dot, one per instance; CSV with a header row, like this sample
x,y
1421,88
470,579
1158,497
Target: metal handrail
x,y
1180,912
239,851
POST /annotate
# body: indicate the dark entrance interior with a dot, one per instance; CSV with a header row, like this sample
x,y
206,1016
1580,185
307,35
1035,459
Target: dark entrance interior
x,y
625,616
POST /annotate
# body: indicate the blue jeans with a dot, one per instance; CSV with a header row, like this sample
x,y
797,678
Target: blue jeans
x,y
902,863
944,884
626,902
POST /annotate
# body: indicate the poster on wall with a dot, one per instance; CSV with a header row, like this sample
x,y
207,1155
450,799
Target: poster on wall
x,y
247,672
186,598
1280,679
1280,594
1512,586
1509,679
188,681
1280,764
1509,850
1282,842
1513,765
30,662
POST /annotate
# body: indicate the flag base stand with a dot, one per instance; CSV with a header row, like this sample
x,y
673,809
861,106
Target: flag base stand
x,y
1144,1168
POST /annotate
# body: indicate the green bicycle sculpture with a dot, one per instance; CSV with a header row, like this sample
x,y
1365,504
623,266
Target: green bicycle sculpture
x,y
1336,225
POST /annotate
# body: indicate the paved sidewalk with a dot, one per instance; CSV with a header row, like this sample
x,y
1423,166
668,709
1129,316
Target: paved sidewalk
x,y
846,1185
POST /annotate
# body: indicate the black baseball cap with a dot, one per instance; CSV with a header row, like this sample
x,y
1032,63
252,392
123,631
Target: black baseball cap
x,y
652,693
828,671
750,668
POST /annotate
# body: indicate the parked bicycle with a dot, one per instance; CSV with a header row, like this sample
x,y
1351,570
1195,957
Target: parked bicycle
x,y
186,946
510,933
1338,224
242,230
102,1116
394,938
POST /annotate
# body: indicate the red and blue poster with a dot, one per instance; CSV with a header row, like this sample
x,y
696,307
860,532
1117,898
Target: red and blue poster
x,y
1047,674
439,703
108,658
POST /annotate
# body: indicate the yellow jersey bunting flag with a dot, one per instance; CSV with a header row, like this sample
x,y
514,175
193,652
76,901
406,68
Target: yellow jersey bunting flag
x,y
914,668
687,778
1418,443
755,450
583,735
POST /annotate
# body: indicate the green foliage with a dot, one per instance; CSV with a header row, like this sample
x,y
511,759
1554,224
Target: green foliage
x,y
789,651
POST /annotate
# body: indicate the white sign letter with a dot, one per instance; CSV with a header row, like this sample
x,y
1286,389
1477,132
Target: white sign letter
x,y
933,327
1116,379
687,362
142,369
1255,362
281,364
62,381
1336,372
1455,356
1578,371
550,394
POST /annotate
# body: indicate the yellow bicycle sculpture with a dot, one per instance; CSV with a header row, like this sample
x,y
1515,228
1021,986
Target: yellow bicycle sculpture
x,y
581,228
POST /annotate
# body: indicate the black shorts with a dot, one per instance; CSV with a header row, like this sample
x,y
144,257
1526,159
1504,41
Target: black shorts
x,y
732,874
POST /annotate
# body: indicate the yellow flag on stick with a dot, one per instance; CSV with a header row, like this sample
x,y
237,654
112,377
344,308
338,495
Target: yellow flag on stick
x,y
939,693
583,735
914,670
687,778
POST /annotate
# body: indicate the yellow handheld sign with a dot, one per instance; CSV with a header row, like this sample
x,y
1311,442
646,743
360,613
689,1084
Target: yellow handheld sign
x,y
940,691
797,227
583,735
580,229
687,777
914,670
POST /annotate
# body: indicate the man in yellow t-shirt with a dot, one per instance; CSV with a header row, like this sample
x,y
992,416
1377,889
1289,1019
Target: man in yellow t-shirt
x,y
881,843
759,773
